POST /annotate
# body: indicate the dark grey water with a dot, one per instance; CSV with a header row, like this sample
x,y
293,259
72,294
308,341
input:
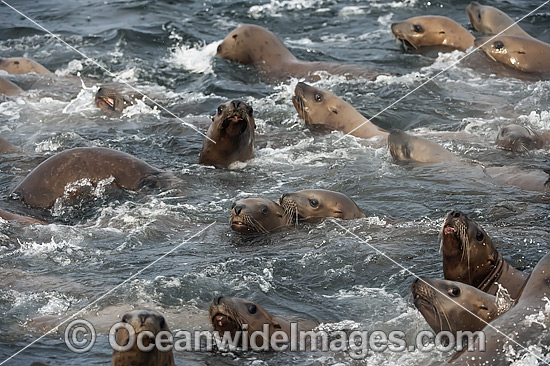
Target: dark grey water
x,y
166,48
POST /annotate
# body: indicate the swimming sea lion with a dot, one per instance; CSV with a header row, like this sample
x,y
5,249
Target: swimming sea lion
x,y
404,147
22,65
528,179
229,314
6,147
142,320
523,54
9,88
232,130
23,220
49,180
257,46
432,31
439,302
491,21
522,333
257,215
320,108
110,100
311,204
521,139
469,256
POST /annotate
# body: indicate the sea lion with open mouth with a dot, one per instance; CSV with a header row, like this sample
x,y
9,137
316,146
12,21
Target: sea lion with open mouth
x,y
231,135
312,204
428,31
257,46
469,256
142,321
521,139
320,108
110,100
257,215
454,306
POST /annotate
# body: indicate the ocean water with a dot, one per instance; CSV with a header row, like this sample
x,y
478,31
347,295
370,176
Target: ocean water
x,y
317,271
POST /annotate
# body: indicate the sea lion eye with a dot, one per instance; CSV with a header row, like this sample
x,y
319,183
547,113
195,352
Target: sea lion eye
x,y
264,209
483,307
499,45
318,97
454,291
418,28
162,322
479,236
252,308
220,109
125,318
313,202
250,110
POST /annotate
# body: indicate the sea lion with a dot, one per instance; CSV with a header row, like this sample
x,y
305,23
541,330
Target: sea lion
x,y
521,139
49,180
9,88
257,46
404,147
528,179
229,314
523,54
257,215
439,302
311,204
425,31
320,108
23,220
232,131
491,21
521,332
142,320
110,100
22,65
7,148
469,256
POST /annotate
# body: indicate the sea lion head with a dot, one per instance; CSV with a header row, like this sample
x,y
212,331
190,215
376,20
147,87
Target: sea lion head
x,y
256,215
320,108
469,254
315,203
234,118
230,314
524,54
399,145
426,31
518,138
109,100
453,306
483,17
142,320
250,44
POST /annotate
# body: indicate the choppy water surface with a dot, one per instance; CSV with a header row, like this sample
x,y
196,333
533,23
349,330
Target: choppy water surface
x,y
316,271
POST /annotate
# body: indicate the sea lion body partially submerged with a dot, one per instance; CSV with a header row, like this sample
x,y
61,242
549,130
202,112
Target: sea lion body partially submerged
x,y
469,256
320,108
312,204
23,220
9,88
521,334
491,21
528,179
22,65
404,147
523,54
257,46
257,215
453,306
49,180
111,100
428,31
232,131
521,139
7,148
141,321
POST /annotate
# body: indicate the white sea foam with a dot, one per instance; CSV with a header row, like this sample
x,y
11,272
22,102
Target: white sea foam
x,y
275,7
197,58
72,68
